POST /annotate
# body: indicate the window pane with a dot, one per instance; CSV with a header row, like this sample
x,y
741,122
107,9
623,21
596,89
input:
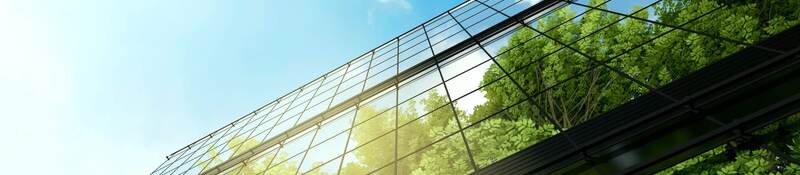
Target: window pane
x,y
335,125
425,130
372,107
371,156
381,76
324,152
419,83
329,168
295,145
422,104
454,66
467,82
373,128
504,134
448,156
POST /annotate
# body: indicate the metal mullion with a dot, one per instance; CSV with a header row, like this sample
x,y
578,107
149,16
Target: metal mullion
x,y
473,15
217,145
481,20
396,104
165,166
309,103
446,38
415,54
199,157
442,31
260,122
169,169
452,107
310,142
413,38
279,119
357,106
465,11
336,90
504,8
349,135
237,134
410,47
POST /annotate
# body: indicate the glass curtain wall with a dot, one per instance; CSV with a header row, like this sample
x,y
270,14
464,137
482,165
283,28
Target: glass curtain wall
x,y
488,100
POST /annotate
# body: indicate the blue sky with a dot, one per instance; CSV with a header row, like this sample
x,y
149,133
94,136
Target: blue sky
x,y
111,87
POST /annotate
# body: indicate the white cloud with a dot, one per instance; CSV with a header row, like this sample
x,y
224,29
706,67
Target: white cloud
x,y
403,4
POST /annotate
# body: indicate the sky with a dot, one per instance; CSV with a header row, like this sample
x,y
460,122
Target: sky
x,y
113,86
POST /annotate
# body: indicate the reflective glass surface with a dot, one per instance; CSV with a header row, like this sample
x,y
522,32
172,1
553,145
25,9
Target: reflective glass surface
x,y
418,105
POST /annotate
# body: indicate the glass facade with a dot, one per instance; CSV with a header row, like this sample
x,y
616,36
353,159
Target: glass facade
x,y
480,82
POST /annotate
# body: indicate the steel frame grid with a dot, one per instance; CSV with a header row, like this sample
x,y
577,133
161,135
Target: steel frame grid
x,y
478,42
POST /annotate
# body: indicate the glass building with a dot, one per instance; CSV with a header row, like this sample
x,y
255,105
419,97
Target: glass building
x,y
540,87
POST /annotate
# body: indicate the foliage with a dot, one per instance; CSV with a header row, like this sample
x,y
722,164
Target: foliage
x,y
568,86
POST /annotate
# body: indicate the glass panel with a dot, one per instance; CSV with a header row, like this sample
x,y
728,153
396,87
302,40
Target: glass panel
x,y
371,156
382,66
323,96
512,7
460,12
297,108
281,127
387,170
425,130
315,110
357,74
329,168
448,38
384,52
324,152
336,73
489,100
284,168
587,95
358,80
438,23
419,83
373,128
467,82
381,76
559,20
347,93
448,156
377,104
454,66
362,61
330,84
481,18
548,71
423,104
415,56
672,56
258,163
263,128
506,133
296,145
335,125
